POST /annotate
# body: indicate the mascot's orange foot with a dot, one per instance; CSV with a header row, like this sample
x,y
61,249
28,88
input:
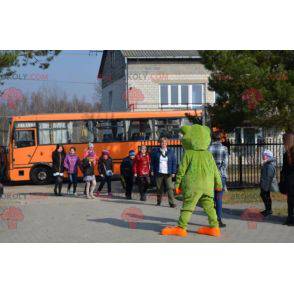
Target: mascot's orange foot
x,y
215,232
177,231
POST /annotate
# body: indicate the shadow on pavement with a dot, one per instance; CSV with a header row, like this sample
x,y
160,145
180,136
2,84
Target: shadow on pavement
x,y
157,225
124,224
236,214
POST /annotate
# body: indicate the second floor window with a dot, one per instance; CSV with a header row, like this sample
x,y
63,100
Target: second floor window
x,y
186,95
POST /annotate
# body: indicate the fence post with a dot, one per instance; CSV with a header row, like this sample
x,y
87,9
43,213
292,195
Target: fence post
x,y
240,171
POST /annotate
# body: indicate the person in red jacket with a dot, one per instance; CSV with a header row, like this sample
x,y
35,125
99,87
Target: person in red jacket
x,y
141,170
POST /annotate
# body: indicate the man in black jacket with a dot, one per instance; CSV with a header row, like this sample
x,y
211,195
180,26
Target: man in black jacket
x,y
126,171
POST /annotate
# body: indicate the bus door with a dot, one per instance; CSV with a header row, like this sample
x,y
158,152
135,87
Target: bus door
x,y
24,146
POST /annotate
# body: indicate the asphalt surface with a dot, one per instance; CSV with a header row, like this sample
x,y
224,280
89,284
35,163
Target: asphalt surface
x,y
33,214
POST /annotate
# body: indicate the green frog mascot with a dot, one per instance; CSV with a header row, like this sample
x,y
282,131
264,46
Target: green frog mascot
x,y
197,178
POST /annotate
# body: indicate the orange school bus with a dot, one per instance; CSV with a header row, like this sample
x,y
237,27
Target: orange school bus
x,y
30,140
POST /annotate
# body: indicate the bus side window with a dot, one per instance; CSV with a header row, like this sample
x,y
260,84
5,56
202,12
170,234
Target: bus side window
x,y
24,138
167,127
140,129
109,131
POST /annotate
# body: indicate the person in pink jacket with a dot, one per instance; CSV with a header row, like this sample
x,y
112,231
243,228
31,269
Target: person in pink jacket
x,y
71,164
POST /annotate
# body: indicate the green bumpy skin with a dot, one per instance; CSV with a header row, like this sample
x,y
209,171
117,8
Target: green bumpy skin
x,y
197,173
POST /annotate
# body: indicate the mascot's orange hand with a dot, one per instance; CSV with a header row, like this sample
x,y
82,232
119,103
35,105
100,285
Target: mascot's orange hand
x,y
178,191
218,189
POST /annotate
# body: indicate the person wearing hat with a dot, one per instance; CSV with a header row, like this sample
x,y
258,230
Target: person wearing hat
x,y
126,171
268,181
90,152
105,169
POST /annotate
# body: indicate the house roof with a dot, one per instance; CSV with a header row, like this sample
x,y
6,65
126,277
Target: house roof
x,y
152,54
142,54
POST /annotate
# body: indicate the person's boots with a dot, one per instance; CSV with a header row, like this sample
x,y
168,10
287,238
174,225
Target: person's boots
x,y
266,212
143,197
221,224
268,206
75,189
59,189
290,219
159,197
55,189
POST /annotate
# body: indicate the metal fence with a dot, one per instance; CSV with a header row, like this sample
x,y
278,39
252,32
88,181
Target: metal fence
x,y
245,160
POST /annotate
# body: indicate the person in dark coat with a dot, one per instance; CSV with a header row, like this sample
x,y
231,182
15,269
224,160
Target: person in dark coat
x,y
267,179
126,171
58,156
287,177
105,168
164,167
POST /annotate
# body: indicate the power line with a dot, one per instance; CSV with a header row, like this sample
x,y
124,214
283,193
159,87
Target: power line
x,y
52,81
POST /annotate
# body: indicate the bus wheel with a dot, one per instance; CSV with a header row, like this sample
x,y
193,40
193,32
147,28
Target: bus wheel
x,y
41,175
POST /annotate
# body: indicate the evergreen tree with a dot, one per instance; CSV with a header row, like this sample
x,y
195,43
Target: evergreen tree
x,y
254,88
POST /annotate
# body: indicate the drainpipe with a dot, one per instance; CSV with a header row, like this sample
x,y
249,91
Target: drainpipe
x,y
127,83
204,106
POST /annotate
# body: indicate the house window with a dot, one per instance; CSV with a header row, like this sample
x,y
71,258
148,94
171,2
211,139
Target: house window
x,y
197,93
164,94
174,94
185,94
181,95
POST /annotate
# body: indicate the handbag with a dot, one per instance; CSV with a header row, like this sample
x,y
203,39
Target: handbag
x,y
274,185
108,172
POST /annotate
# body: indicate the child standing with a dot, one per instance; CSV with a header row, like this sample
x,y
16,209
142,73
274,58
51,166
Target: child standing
x,y
88,164
90,152
71,164
105,168
126,170
268,181
141,170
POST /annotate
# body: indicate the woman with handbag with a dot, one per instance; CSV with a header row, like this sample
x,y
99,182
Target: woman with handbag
x,y
105,168
287,176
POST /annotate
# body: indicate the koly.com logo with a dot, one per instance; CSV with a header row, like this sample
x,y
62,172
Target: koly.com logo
x,y
11,97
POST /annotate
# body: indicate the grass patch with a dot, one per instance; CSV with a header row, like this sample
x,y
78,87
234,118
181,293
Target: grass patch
x,y
252,196
248,196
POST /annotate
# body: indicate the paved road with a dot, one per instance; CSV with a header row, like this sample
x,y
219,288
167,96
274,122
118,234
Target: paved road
x,y
36,216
